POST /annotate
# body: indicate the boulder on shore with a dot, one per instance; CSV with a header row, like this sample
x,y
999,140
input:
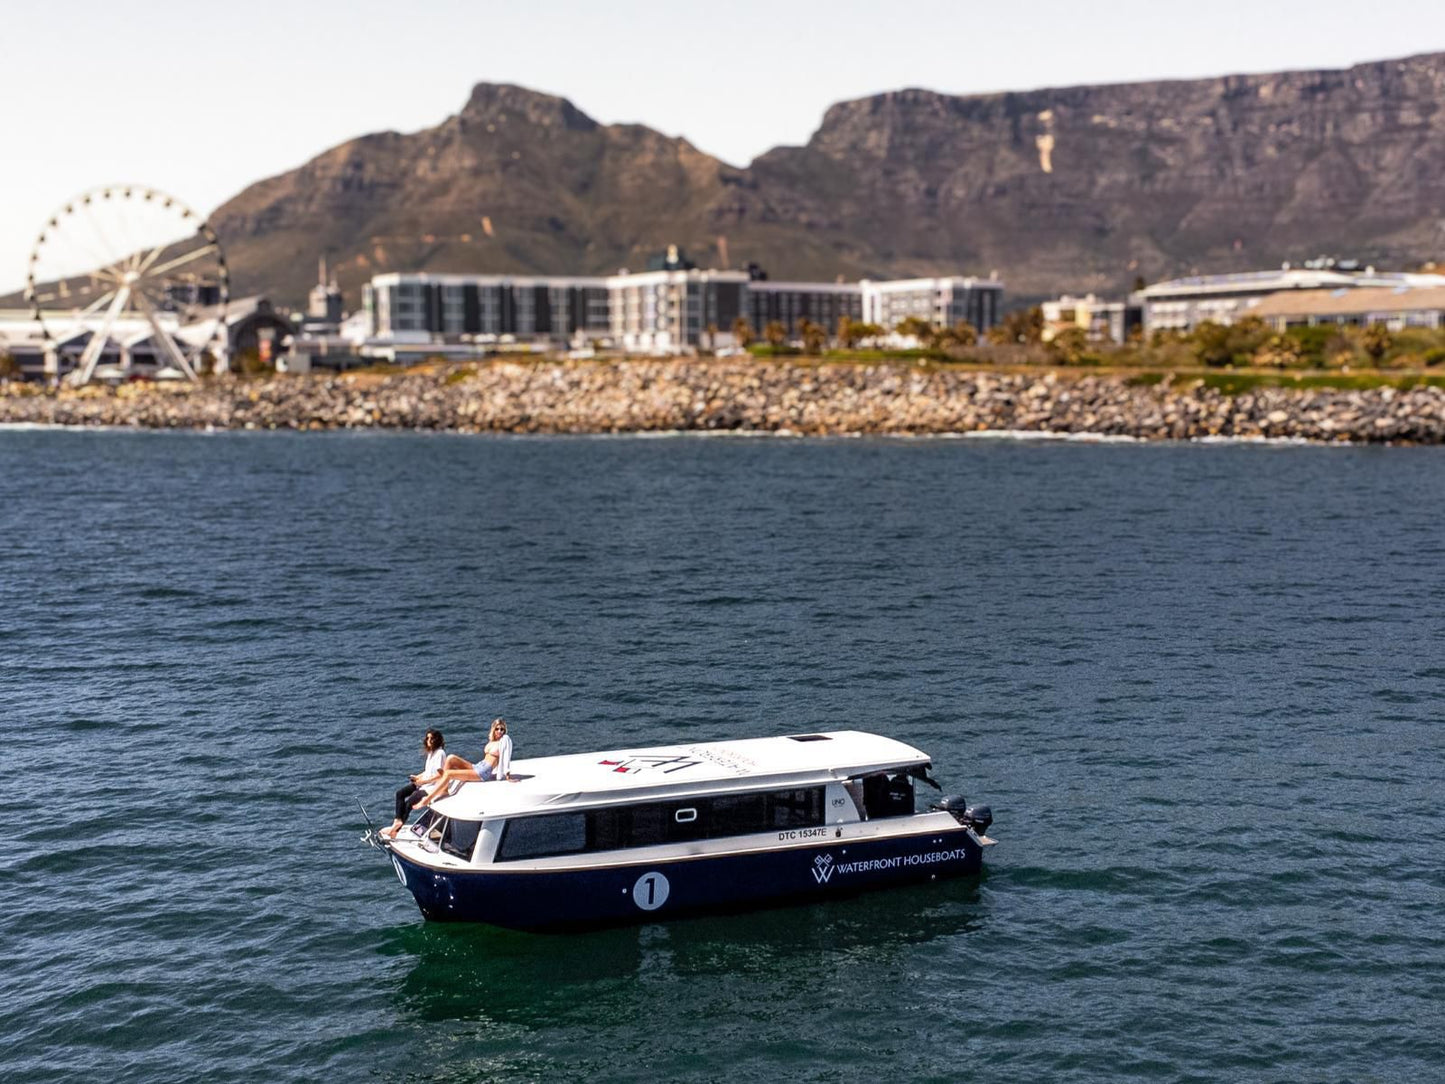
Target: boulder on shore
x,y
703,394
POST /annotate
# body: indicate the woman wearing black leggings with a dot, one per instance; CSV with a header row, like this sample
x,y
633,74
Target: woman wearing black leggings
x,y
415,790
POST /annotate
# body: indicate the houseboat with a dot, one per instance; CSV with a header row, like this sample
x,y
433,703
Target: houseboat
x,y
597,839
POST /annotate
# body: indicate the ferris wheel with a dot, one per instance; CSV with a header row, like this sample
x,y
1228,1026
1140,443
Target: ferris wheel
x,y
128,274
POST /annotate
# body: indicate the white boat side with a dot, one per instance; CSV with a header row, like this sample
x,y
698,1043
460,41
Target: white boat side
x,y
586,780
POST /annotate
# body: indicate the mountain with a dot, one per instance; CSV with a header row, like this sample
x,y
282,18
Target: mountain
x,y
1079,188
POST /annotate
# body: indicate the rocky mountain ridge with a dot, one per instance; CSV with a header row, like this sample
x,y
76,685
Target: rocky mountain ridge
x,y
1075,188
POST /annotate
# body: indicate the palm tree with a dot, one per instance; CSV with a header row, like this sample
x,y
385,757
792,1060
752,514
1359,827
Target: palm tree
x,y
742,332
814,336
775,333
1019,326
1377,341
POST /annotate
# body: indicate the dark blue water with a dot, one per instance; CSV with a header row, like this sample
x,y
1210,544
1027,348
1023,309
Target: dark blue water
x,y
1201,688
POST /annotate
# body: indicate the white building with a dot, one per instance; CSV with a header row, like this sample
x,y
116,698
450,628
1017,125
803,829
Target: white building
x,y
676,310
1101,321
668,312
942,302
1397,309
1184,304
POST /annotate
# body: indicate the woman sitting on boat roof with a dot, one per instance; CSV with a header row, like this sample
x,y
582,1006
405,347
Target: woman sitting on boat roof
x,y
496,764
434,745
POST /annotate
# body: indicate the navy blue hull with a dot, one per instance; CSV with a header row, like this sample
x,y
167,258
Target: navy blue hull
x,y
651,891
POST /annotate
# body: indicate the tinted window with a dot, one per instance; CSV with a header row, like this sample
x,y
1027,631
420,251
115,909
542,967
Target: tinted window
x,y
537,837
460,838
653,823
716,818
797,808
738,814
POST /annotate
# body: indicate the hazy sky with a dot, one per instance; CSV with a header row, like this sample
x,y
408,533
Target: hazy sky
x,y
200,99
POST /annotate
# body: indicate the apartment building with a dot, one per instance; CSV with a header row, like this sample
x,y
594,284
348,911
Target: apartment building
x,y
420,307
672,310
789,303
942,302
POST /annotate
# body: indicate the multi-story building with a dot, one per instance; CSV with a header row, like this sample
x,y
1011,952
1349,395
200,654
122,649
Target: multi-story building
x,y
942,302
676,309
419,307
1101,321
667,311
1184,304
789,303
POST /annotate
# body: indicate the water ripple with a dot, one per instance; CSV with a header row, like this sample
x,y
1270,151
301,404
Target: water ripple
x,y
1198,685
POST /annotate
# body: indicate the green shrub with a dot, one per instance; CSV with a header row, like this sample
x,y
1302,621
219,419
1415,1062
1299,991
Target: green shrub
x,y
1311,342
1217,345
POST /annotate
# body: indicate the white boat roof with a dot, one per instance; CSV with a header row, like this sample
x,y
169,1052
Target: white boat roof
x,y
586,780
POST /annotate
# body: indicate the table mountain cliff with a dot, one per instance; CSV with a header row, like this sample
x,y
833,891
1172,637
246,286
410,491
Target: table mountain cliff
x,y
1079,188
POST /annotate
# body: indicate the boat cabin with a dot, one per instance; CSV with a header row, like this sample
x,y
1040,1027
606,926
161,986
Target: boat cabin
x,y
787,788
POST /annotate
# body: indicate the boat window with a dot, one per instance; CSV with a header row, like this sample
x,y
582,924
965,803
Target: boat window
x,y
537,837
649,824
809,737
797,808
738,814
888,795
460,837
644,825
607,830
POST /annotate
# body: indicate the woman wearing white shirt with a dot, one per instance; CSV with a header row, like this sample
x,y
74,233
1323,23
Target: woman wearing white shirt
x,y
434,745
496,764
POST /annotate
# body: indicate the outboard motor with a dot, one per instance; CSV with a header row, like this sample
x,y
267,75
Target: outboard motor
x,y
977,817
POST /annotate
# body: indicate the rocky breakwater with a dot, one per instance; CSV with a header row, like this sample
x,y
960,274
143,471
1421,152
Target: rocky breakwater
x,y
742,394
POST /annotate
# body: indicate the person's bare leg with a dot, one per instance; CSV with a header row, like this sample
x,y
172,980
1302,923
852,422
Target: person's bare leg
x,y
454,775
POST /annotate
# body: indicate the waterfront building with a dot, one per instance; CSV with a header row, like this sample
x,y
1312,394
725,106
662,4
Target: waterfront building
x,y
1101,321
1183,304
942,302
675,311
676,308
789,303
420,307
1396,308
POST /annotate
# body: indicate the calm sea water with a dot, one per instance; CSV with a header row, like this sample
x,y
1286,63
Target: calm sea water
x,y
1200,686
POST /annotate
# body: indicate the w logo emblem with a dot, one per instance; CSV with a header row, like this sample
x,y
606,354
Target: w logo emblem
x,y
822,868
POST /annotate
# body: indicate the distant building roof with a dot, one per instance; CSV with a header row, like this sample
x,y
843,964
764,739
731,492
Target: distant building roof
x,y
1263,282
1358,302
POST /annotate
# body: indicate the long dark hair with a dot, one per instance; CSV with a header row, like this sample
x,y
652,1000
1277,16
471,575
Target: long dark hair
x,y
434,741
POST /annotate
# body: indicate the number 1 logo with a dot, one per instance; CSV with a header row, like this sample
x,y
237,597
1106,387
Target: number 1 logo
x,y
650,891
